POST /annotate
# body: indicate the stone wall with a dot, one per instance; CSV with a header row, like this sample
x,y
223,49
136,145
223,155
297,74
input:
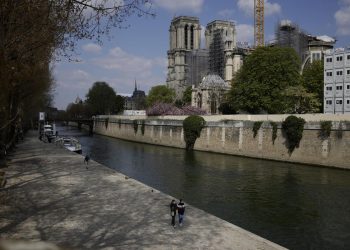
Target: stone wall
x,y
235,137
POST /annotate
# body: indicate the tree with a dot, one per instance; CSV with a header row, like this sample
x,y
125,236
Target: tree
x,y
313,81
300,101
160,94
119,106
102,99
266,73
31,33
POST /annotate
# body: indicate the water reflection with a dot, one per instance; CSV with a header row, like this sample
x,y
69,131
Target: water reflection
x,y
297,206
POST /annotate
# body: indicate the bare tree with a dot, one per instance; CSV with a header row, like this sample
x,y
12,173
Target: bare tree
x,y
32,33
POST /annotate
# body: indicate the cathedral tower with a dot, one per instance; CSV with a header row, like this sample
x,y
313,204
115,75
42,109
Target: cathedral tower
x,y
185,36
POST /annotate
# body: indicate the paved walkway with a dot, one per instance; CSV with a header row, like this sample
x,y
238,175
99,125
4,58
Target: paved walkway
x,y
50,196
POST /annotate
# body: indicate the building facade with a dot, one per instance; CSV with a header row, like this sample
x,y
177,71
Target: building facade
x,y
337,81
185,37
210,93
137,101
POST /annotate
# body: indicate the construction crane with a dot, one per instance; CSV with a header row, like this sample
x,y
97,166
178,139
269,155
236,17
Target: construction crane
x,y
259,23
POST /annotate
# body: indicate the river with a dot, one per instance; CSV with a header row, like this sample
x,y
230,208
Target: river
x,y
294,205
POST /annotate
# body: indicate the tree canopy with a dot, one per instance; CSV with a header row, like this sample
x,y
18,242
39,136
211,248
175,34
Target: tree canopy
x,y
260,84
32,33
313,81
160,94
101,98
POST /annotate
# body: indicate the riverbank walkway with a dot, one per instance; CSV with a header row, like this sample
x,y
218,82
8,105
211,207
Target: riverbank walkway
x,y
50,196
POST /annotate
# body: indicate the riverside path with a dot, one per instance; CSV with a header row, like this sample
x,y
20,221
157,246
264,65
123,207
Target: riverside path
x,y
50,196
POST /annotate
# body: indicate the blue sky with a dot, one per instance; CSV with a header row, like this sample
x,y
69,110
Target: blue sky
x,y
139,52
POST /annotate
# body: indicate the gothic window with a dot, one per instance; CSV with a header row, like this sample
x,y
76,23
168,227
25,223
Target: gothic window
x,y
186,36
199,100
192,36
213,104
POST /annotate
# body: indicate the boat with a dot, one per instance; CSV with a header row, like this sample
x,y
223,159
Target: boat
x,y
70,143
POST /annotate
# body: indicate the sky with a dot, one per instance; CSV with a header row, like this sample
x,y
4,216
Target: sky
x,y
139,52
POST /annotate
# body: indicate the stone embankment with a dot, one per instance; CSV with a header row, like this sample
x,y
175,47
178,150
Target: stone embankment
x,y
51,196
234,135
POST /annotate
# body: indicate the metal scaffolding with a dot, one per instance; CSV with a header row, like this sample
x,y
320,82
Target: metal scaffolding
x,y
217,54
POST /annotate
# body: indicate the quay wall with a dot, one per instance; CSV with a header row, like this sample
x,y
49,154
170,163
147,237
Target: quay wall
x,y
234,135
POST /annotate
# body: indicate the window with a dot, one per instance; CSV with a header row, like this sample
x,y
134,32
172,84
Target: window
x,y
347,101
339,58
348,71
339,87
339,73
339,101
329,59
347,86
348,57
329,102
329,73
329,88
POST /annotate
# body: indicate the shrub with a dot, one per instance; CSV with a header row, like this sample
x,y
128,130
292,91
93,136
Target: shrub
x,y
143,127
136,126
193,126
256,128
340,131
293,128
325,131
274,131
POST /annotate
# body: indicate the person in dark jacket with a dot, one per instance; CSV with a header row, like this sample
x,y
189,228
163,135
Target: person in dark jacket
x,y
181,211
173,207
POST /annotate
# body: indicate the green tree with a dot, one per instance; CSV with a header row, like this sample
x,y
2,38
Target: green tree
x,y
119,106
300,101
187,96
266,73
101,98
313,81
160,93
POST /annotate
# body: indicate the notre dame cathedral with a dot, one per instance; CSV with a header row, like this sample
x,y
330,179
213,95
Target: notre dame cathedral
x,y
188,63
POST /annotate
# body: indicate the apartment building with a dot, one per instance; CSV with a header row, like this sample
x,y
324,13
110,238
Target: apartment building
x,y
337,81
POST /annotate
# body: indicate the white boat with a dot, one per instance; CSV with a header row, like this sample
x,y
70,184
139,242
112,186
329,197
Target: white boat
x,y
69,143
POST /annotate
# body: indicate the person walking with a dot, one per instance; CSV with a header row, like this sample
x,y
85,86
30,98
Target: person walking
x,y
173,208
86,160
181,211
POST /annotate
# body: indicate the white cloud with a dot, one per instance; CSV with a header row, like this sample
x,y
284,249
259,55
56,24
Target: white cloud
x,y
245,33
247,6
180,5
126,63
92,48
342,19
226,13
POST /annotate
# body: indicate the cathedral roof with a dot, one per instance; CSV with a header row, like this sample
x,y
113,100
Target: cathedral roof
x,y
212,81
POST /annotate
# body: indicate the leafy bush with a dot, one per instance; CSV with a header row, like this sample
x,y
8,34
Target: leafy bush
x,y
193,126
293,128
143,127
136,126
326,127
256,128
274,131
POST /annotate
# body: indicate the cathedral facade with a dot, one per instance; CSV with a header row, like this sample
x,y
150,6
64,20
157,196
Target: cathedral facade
x,y
188,63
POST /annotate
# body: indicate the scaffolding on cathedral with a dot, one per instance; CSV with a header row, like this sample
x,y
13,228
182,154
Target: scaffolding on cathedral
x,y
289,34
217,54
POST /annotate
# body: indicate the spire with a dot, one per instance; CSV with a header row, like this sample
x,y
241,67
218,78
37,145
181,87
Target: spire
x,y
135,85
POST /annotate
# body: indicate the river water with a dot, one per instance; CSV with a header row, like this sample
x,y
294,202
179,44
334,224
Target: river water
x,y
296,206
